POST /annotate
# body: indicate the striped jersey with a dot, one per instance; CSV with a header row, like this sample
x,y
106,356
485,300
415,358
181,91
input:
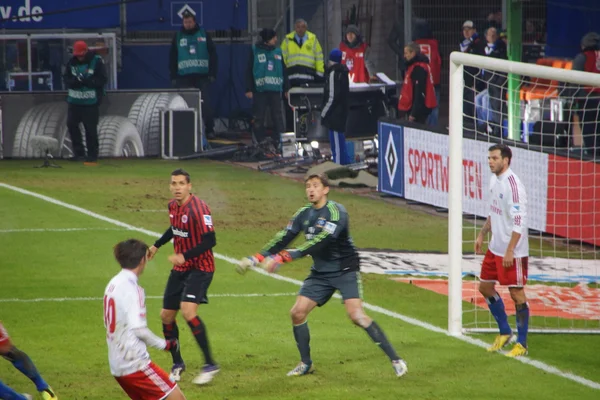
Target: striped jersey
x,y
508,213
188,223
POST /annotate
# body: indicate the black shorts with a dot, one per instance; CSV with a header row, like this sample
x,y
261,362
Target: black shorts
x,y
191,286
319,287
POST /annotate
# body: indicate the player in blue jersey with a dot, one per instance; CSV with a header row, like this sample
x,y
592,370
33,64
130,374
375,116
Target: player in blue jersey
x,y
336,267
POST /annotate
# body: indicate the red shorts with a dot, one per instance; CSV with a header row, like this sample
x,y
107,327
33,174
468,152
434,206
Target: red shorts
x,y
492,270
151,383
4,338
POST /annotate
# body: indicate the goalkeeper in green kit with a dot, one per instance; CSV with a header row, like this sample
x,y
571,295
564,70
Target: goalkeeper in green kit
x,y
336,267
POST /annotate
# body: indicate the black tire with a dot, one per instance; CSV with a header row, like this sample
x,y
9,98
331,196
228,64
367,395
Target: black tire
x,y
118,137
145,115
42,120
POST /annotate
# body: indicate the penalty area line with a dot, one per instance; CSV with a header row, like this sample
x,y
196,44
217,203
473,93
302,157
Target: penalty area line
x,y
413,321
60,230
64,299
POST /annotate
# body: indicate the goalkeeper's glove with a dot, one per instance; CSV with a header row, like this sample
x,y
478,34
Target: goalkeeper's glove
x,y
245,263
172,345
272,263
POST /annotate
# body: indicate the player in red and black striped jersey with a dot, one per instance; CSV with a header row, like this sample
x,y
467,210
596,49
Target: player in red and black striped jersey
x,y
194,237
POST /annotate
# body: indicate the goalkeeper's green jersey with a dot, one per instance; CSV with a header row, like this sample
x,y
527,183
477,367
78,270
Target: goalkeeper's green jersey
x,y
327,235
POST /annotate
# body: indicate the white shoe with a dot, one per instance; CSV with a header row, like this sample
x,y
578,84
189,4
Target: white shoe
x,y
206,375
400,367
176,371
28,396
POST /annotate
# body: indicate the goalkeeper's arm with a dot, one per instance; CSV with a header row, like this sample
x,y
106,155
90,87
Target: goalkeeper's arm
x,y
285,236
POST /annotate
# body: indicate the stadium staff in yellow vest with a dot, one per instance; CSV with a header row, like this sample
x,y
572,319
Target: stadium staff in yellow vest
x,y
193,63
303,55
265,81
85,77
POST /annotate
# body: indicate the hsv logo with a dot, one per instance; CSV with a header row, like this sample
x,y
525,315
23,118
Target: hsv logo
x,y
391,159
179,8
186,9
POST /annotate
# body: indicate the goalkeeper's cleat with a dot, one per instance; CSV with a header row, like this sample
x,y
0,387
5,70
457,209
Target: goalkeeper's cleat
x,y
500,342
48,394
206,375
400,367
176,370
517,351
301,369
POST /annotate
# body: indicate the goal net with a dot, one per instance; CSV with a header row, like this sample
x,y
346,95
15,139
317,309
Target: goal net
x,y
549,115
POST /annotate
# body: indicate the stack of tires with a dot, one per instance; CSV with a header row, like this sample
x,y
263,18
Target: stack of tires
x,y
135,135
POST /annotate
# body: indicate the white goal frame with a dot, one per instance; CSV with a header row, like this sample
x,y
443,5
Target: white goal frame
x,y
458,61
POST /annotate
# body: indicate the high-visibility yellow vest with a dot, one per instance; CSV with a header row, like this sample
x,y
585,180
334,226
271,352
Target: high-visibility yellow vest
x,y
309,55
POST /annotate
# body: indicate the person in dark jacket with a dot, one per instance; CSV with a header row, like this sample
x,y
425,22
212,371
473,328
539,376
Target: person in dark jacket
x,y
193,63
490,101
85,77
334,112
417,97
266,79
589,61
471,44
430,48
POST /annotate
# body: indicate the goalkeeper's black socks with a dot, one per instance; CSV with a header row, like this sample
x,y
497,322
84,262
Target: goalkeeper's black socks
x,y
171,331
199,331
375,332
302,336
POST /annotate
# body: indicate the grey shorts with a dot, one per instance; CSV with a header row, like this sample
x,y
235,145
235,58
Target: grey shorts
x,y
319,287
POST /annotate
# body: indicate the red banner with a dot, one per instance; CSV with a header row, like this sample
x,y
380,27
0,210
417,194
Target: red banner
x,y
573,199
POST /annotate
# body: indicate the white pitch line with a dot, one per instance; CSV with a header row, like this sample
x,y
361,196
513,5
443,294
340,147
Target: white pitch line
x,y
63,299
60,230
413,321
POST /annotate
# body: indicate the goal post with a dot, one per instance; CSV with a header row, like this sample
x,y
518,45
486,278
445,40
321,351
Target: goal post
x,y
563,189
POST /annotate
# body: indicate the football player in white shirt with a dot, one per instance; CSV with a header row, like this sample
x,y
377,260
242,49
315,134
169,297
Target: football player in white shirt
x,y
506,258
127,332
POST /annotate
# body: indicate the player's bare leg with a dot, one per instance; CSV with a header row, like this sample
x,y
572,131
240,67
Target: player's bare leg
x,y
496,306
189,311
176,394
299,314
171,331
520,299
357,314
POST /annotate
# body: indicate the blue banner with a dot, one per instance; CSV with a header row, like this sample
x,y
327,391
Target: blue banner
x,y
56,14
166,15
567,23
391,159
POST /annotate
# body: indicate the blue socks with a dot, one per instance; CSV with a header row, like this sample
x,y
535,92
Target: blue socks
x,y
522,323
23,363
496,306
8,394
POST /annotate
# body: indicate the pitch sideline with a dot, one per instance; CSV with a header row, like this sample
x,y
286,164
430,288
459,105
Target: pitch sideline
x,y
413,321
